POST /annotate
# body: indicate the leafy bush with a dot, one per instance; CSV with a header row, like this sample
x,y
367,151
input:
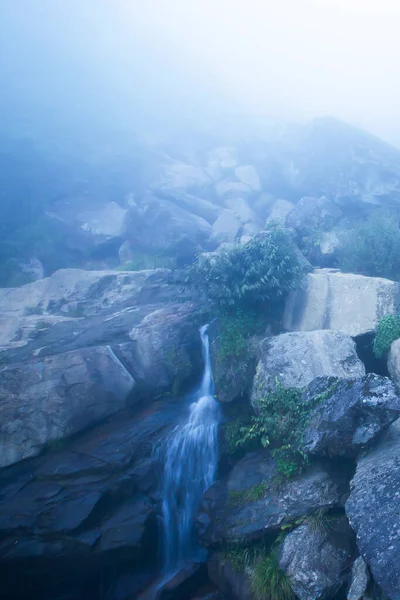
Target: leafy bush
x,y
387,332
280,424
372,248
262,271
268,581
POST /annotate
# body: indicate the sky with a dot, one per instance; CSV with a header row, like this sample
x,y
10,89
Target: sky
x,y
119,61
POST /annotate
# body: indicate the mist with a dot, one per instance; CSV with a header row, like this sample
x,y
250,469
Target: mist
x,y
125,65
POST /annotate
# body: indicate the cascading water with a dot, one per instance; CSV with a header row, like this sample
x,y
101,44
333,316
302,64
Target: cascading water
x,y
190,466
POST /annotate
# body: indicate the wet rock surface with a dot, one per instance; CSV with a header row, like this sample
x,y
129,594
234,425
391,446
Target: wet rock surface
x,y
73,512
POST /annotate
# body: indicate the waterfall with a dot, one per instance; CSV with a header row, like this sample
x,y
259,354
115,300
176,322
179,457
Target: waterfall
x,y
190,466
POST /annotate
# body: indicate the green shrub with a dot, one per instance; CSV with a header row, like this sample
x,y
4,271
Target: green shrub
x,y
372,248
280,424
387,332
268,581
253,494
248,276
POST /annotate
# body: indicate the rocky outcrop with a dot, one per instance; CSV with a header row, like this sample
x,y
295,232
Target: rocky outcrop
x,y
89,502
351,414
317,557
92,347
250,502
373,512
352,304
295,359
279,212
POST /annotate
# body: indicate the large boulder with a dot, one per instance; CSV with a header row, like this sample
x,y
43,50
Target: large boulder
x,y
317,557
360,580
373,510
351,415
158,226
295,359
45,400
279,212
251,501
314,213
328,299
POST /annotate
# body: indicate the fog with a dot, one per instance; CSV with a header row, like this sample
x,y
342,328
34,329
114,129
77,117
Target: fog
x,y
121,64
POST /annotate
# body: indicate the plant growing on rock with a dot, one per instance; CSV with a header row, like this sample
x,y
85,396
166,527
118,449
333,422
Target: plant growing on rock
x,y
372,248
251,275
279,423
387,332
268,581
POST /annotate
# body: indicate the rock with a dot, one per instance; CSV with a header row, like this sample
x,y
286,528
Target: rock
x,y
89,503
353,415
373,510
197,206
242,210
314,213
235,584
226,228
317,557
360,579
183,583
184,177
279,212
393,362
352,304
248,175
233,375
295,359
157,226
329,244
58,396
232,189
249,502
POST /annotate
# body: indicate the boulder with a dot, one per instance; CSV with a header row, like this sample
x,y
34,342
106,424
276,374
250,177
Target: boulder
x,y
352,304
197,206
157,226
226,228
235,584
373,510
248,175
295,359
317,557
393,362
314,213
232,189
279,212
351,414
182,176
360,579
251,502
45,400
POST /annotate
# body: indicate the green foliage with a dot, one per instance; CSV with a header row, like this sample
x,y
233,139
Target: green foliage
x,y
280,424
387,332
253,494
268,581
372,248
308,240
232,433
242,557
235,328
142,262
260,272
319,522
